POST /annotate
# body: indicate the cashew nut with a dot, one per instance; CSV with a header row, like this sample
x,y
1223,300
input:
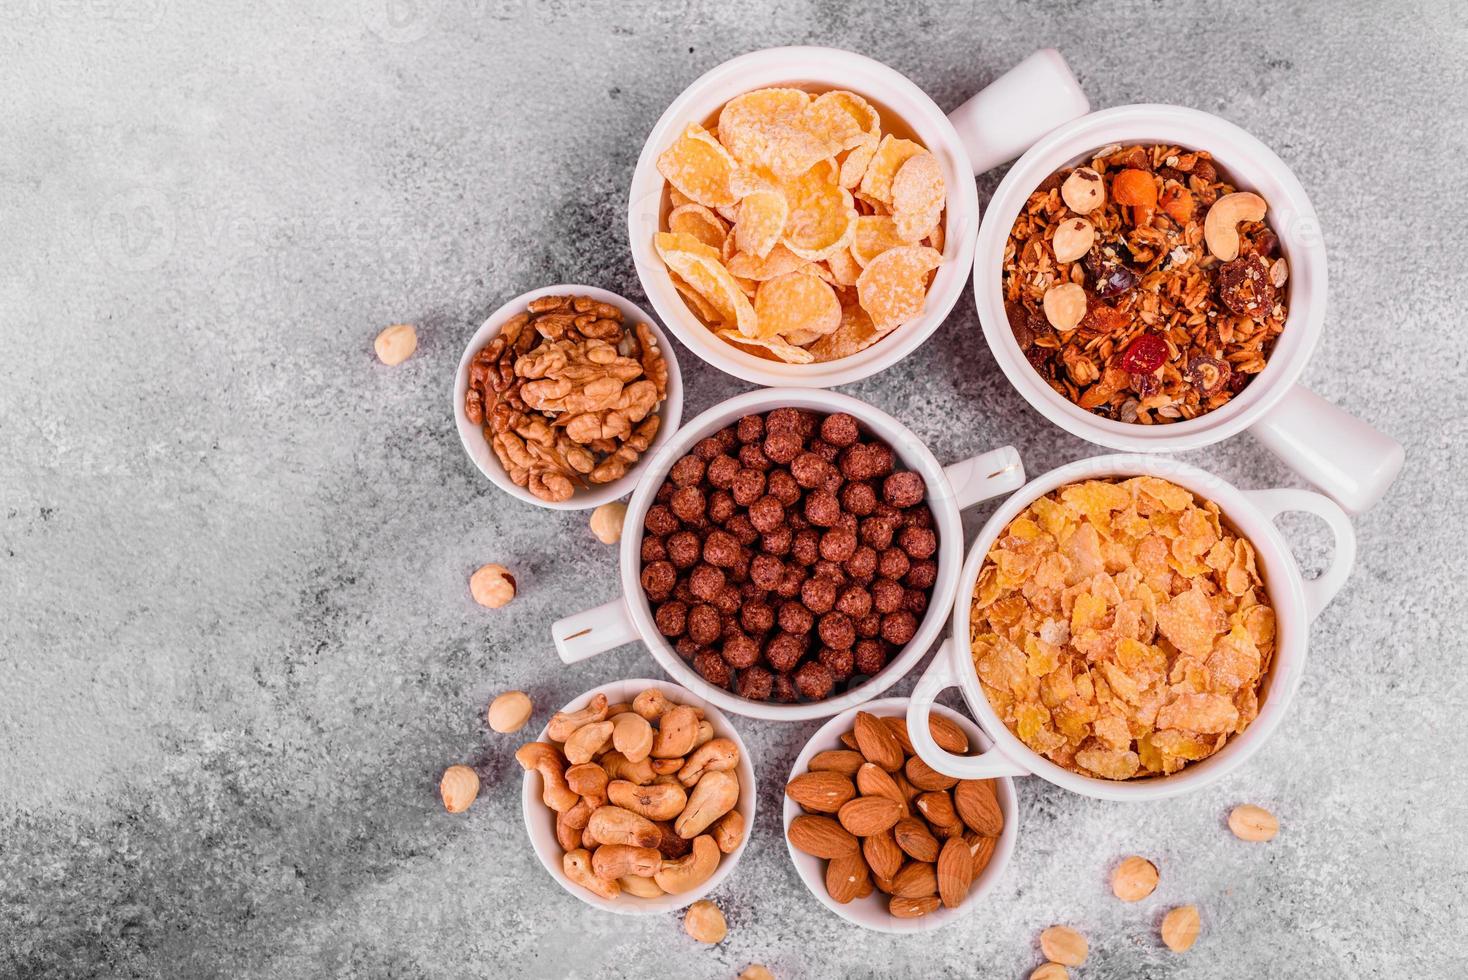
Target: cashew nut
x,y
705,733
714,796
613,710
614,825
586,741
563,723
718,755
567,836
577,866
687,873
632,735
660,801
640,887
546,760
590,781
651,704
1221,226
667,767
618,766
621,860
728,831
677,730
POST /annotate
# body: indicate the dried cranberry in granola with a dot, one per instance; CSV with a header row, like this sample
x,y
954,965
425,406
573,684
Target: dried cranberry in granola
x,y
1171,331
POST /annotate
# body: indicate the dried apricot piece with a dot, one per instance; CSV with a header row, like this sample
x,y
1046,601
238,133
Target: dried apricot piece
x,y
894,285
700,222
797,303
762,218
699,167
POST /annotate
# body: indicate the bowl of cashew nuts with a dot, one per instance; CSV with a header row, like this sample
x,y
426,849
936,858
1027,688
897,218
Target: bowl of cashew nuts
x,y
638,797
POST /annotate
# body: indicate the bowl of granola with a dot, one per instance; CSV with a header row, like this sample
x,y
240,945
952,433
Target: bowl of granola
x,y
1129,627
563,395
1152,278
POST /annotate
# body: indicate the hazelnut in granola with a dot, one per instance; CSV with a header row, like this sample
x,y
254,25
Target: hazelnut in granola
x,y
1122,629
1143,286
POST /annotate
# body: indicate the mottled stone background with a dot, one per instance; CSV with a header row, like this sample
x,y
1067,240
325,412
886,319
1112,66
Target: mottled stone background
x,y
236,645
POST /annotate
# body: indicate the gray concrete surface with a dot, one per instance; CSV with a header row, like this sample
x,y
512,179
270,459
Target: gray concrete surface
x,y
236,645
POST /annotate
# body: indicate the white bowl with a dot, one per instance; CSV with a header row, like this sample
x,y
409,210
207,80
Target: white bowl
x,y
628,617
992,127
478,448
540,820
871,912
1337,452
1296,602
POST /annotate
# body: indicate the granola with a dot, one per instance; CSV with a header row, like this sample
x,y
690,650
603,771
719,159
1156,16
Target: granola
x,y
1122,629
1180,294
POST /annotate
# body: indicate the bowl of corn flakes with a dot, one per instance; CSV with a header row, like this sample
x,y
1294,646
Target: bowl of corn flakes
x,y
806,216
1130,627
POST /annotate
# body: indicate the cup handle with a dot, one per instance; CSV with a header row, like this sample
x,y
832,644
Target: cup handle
x,y
1318,591
939,676
984,477
1340,454
1017,108
594,631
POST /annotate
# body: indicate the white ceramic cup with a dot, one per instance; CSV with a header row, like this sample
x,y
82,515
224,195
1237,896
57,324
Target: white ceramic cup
x,y
871,912
991,128
1340,454
1296,602
540,820
479,449
950,489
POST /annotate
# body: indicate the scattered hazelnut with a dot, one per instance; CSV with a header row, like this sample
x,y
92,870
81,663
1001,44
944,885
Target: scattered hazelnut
x,y
1083,191
1180,928
606,522
1252,823
1134,879
492,586
509,712
756,972
396,344
704,922
458,787
1049,971
1063,945
1073,239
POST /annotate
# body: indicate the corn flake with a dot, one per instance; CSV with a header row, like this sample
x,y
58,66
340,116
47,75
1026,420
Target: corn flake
x,y
702,269
1105,643
893,286
701,223
761,220
892,153
699,167
797,304
786,352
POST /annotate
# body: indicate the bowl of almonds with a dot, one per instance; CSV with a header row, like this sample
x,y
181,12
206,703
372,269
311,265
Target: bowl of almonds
x,y
638,797
564,394
882,839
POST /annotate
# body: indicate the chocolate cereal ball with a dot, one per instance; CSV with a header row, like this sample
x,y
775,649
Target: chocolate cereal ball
x,y
840,429
814,680
660,520
841,663
707,449
905,489
659,578
893,563
757,617
922,574
766,514
687,472
899,627
721,506
721,549
654,549
858,498
887,595
854,601
671,619
721,471
836,630
754,683
777,542
782,445
706,581
818,593
740,649
806,547
783,690
838,544
822,508
795,618
782,486
712,668
869,657
705,625
784,651
751,428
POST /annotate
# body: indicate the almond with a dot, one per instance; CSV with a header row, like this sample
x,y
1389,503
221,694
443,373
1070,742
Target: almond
x,y
938,809
848,739
821,837
925,777
948,735
1134,879
875,781
1049,971
909,791
1063,945
955,872
912,908
867,815
882,854
982,849
914,880
458,787
978,807
1252,823
915,840
837,760
823,792
898,726
846,876
877,743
